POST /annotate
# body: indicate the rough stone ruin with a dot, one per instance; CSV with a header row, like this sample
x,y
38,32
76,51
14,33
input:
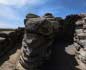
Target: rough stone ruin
x,y
47,43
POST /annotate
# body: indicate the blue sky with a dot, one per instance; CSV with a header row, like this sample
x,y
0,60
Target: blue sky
x,y
13,12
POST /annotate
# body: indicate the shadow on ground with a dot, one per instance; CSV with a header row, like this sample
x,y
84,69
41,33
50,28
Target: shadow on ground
x,y
9,53
60,60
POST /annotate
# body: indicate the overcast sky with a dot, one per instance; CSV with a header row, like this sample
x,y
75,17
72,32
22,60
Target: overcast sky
x,y
12,12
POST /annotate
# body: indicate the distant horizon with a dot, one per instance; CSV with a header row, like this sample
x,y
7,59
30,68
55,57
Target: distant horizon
x,y
8,28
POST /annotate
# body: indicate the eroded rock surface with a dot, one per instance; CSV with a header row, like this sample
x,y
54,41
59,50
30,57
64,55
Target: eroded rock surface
x,y
64,47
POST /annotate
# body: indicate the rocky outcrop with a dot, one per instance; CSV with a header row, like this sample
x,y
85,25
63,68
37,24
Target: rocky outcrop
x,y
8,41
41,34
80,38
75,27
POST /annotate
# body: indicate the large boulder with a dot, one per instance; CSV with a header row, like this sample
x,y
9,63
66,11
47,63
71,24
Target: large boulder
x,y
80,38
36,45
8,41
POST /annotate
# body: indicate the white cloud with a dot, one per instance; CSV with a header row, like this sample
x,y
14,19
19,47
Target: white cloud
x,y
8,13
13,2
20,3
8,17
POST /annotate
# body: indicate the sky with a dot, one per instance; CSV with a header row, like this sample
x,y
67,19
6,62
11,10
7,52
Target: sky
x,y
13,12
